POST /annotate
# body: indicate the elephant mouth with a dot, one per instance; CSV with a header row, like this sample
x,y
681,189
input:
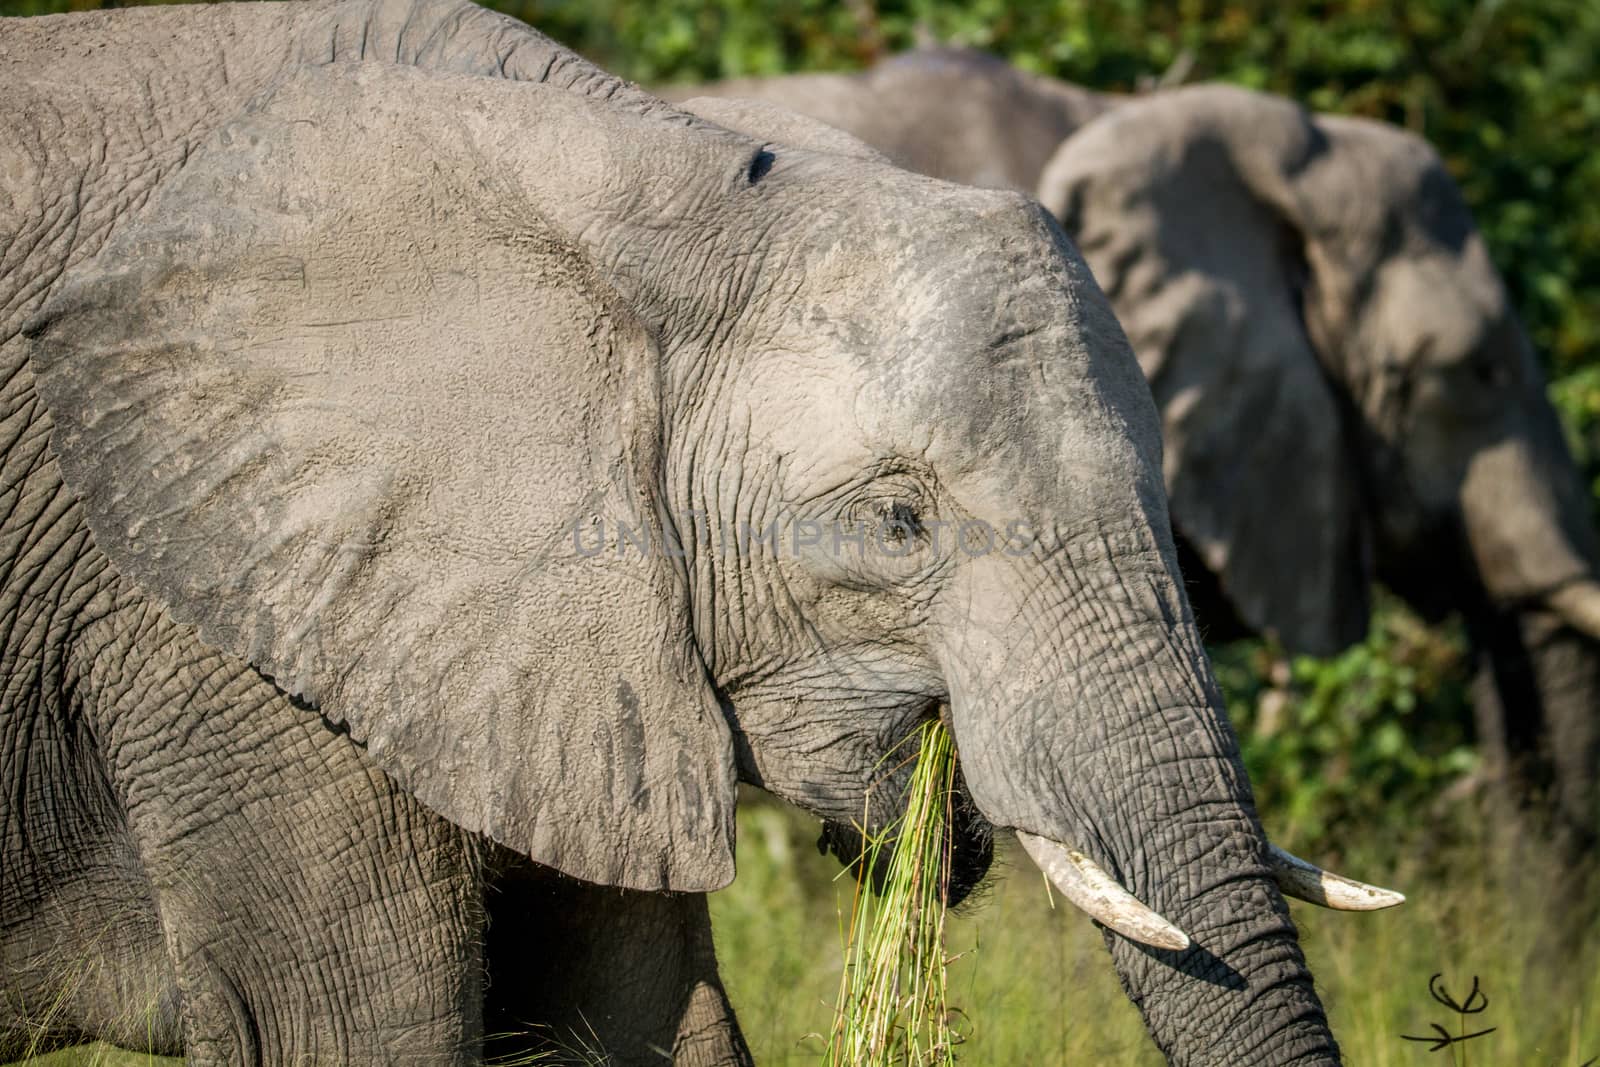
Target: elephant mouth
x,y
971,851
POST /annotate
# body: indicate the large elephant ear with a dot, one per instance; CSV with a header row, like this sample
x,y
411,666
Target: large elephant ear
x,y
350,398
1184,207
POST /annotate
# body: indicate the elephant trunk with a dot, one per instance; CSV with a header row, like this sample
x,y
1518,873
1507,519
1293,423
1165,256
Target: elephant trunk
x,y
1577,605
1534,699
1526,518
1537,626
1094,728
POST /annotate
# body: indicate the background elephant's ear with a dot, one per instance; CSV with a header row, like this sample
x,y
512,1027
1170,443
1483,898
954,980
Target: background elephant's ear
x,y
1183,206
347,398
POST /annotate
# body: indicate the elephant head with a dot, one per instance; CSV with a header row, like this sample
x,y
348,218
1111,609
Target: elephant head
x,y
580,457
1346,392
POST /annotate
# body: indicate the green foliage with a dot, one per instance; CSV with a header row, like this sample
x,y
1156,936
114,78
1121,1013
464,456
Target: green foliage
x,y
1337,747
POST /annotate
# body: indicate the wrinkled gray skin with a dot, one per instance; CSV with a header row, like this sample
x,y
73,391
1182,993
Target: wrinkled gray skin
x,y
187,858
1328,324
330,372
1345,390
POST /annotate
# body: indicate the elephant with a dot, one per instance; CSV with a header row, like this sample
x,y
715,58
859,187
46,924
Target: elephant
x,y
438,471
1332,322
1346,393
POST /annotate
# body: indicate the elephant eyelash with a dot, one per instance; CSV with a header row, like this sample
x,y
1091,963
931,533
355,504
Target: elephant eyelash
x,y
901,522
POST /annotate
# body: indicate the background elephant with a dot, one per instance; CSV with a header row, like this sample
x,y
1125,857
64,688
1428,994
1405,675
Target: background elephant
x,y
952,113
1285,319
1347,395
318,696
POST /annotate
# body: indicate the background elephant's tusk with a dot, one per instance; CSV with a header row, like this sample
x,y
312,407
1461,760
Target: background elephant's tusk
x,y
1307,881
1578,604
1094,891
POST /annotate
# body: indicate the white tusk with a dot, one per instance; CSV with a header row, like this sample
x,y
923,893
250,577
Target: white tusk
x,y
1097,893
1578,604
1307,881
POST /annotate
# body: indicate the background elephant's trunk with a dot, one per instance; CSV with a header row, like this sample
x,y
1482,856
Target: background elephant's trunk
x,y
1536,627
1578,606
1535,700
1526,517
1092,720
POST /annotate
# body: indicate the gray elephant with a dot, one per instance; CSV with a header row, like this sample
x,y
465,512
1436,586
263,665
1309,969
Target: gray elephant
x,y
1345,391
437,472
1347,394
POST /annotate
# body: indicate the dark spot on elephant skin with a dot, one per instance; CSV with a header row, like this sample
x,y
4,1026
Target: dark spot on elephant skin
x,y
630,747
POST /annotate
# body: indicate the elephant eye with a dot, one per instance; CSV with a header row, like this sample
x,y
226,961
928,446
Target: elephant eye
x,y
899,523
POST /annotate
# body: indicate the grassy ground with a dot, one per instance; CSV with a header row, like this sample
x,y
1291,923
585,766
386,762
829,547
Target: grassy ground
x,y
1036,985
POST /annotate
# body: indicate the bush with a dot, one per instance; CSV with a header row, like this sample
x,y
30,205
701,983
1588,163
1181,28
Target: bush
x,y
1337,747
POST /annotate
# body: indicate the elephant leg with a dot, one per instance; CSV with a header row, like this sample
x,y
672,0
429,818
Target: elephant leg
x,y
576,969
1565,670
1569,673
1506,727
1537,700
81,951
312,911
